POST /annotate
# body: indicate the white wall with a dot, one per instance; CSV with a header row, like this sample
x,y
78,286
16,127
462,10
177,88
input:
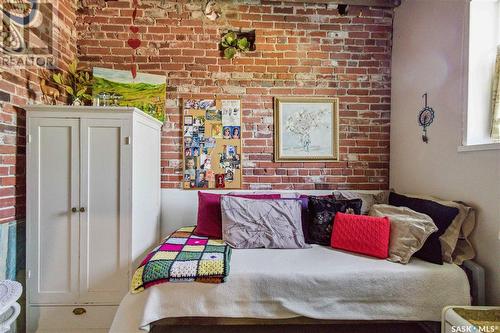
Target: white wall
x,y
429,56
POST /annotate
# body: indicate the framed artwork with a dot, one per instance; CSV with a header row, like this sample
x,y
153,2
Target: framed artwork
x,y
211,144
306,129
146,92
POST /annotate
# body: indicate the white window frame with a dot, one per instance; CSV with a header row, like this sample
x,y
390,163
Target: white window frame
x,y
466,144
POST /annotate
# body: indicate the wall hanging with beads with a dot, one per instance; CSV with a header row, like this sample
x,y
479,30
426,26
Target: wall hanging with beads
x,y
425,118
211,144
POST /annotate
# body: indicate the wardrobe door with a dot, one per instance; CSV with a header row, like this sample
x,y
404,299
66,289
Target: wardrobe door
x,y
52,226
105,209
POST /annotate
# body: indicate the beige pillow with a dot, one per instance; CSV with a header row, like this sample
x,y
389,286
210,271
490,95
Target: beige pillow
x,y
455,244
409,230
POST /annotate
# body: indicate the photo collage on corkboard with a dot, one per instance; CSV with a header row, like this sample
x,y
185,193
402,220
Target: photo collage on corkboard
x,y
211,144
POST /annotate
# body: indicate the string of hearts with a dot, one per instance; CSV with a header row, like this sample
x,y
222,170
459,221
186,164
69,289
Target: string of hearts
x,y
134,42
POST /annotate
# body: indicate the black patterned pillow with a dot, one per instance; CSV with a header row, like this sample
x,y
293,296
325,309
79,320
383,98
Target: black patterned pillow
x,y
322,211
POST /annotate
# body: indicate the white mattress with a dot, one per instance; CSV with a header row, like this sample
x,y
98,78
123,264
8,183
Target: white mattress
x,y
319,282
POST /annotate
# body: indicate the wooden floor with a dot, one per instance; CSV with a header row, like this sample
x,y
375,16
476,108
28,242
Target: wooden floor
x,y
340,328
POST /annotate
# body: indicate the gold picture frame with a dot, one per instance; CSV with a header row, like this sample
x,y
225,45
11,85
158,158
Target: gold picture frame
x,y
296,140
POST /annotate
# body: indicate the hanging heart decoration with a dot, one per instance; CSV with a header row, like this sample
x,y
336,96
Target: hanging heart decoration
x,y
134,43
133,70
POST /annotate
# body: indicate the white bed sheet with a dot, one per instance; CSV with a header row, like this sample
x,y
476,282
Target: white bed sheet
x,y
320,283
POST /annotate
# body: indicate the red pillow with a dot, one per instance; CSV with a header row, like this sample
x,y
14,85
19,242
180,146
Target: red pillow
x,y
362,234
209,222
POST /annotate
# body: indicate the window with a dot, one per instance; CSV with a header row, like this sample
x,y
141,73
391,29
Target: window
x,y
484,40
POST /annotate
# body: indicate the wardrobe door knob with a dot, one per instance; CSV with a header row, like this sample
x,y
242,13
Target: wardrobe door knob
x,y
74,210
79,311
82,209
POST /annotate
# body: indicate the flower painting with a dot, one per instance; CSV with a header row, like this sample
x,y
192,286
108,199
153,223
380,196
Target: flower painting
x,y
306,129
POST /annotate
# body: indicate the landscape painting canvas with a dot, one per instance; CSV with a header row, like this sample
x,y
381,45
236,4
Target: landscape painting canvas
x,y
306,129
146,92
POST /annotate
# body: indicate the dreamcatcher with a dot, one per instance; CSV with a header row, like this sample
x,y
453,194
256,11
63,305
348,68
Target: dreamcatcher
x,y
425,119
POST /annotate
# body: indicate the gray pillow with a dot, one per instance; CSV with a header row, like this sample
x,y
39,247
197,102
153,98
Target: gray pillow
x,y
273,224
369,199
409,230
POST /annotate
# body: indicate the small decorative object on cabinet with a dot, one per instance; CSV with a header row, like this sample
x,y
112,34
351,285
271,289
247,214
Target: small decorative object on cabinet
x,y
76,82
10,291
93,205
50,94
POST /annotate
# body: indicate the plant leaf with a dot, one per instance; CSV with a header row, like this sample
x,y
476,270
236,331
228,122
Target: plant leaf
x,y
57,78
230,52
81,92
243,44
230,38
72,67
69,90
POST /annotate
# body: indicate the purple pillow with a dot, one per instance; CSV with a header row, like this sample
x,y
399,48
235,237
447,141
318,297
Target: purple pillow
x,y
251,224
209,222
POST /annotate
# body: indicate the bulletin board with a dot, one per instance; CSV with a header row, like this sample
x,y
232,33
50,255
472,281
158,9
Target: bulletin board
x,y
211,144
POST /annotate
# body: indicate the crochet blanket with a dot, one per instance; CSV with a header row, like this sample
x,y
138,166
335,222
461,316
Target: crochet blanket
x,y
184,257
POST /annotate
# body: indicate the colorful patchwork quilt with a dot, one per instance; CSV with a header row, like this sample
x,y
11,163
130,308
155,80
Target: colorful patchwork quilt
x,y
184,257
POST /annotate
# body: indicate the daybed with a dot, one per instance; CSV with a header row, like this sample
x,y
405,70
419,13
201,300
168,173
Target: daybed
x,y
317,283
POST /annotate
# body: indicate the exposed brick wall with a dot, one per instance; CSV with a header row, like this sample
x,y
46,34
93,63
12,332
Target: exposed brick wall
x,y
301,50
18,87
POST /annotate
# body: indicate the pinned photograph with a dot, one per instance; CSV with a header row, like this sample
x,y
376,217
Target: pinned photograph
x,y
235,132
195,140
187,152
188,120
210,175
195,151
227,132
190,168
205,162
214,115
220,181
201,179
210,142
229,176
230,151
191,104
188,141
216,131
188,130
235,162
199,121
206,104
231,115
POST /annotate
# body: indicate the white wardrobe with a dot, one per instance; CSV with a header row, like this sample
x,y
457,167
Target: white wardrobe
x,y
93,209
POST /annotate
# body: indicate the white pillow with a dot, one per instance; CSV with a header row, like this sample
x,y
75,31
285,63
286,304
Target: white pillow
x,y
409,230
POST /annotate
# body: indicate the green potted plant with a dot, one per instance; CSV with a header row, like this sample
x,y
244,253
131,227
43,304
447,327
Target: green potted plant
x,y
76,83
232,45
